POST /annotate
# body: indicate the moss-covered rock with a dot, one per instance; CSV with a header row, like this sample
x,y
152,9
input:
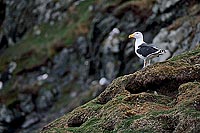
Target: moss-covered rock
x,y
160,98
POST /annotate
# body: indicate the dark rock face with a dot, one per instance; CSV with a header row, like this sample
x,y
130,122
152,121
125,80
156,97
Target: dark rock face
x,y
3,40
44,100
30,120
20,16
2,12
26,103
6,115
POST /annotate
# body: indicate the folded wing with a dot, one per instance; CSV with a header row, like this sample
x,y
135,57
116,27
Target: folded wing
x,y
146,50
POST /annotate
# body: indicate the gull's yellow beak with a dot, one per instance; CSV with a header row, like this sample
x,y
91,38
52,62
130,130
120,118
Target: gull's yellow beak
x,y
131,36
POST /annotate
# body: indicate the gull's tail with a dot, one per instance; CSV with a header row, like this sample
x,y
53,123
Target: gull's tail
x,y
161,51
157,53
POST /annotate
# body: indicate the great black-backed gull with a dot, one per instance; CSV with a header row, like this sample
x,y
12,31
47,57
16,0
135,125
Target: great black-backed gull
x,y
144,51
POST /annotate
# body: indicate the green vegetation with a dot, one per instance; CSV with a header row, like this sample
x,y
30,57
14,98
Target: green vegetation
x,y
112,2
34,50
127,122
94,106
10,99
156,113
195,52
89,126
192,113
146,112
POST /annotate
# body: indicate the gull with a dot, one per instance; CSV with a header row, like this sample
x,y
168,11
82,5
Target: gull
x,y
143,50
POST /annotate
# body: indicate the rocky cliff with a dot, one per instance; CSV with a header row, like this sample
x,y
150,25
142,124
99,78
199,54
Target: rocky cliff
x,y
164,97
56,55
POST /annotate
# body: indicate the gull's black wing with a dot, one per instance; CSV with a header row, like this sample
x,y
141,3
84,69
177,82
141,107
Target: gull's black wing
x,y
146,50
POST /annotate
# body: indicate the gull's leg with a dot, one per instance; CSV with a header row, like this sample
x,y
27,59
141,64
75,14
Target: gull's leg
x,y
149,62
145,63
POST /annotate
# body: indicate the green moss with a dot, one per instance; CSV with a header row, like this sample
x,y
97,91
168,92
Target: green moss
x,y
125,124
156,113
187,109
84,6
91,125
192,112
120,97
112,2
195,52
144,131
9,95
11,99
59,130
32,50
93,105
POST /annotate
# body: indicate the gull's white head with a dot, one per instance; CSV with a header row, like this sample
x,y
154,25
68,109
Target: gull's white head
x,y
136,35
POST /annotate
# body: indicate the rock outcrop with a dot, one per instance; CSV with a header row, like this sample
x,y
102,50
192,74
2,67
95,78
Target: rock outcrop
x,y
160,98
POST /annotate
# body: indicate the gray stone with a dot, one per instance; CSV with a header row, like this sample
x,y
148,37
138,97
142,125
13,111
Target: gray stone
x,y
1,84
161,36
106,24
3,129
26,103
196,39
110,70
103,81
162,5
36,31
112,42
173,40
129,49
166,16
61,61
30,120
128,22
82,45
44,100
161,40
6,115
172,46
181,33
